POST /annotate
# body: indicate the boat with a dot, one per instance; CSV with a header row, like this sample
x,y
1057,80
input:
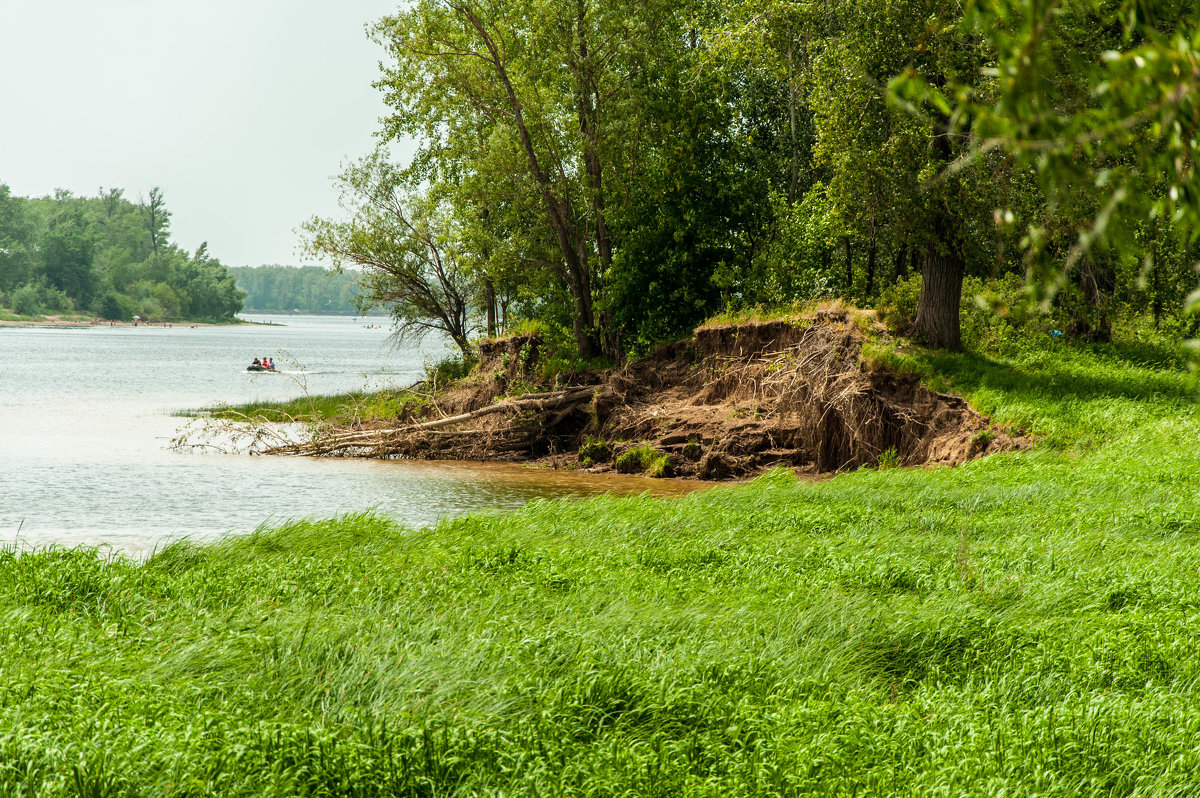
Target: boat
x,y
259,368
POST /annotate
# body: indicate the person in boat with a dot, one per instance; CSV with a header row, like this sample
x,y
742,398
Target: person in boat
x,y
256,362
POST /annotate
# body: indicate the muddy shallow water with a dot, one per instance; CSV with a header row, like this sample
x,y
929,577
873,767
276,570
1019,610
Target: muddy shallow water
x,y
85,428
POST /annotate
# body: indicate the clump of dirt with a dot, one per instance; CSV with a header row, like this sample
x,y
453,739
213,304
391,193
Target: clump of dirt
x,y
735,400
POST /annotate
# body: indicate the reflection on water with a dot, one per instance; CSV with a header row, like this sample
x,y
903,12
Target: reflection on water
x,y
85,427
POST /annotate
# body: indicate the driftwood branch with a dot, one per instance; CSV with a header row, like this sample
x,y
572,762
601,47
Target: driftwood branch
x,y
529,401
569,398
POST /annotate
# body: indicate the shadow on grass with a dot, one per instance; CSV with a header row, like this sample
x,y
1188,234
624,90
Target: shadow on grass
x,y
1117,372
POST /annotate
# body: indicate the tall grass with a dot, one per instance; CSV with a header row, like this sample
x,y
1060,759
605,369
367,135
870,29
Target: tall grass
x,y
1024,624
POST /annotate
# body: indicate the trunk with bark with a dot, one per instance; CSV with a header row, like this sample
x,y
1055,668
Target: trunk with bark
x,y
576,268
900,269
941,290
489,301
872,252
1093,282
849,265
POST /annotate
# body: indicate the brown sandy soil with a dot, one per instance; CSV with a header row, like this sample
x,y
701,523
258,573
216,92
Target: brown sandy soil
x,y
733,401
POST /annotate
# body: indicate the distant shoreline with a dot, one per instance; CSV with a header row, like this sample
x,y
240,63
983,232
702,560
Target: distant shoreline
x,y
313,313
57,323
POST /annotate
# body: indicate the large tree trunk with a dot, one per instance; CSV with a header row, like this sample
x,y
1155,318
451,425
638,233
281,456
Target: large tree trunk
x,y
794,179
900,268
489,301
576,271
941,290
872,253
849,265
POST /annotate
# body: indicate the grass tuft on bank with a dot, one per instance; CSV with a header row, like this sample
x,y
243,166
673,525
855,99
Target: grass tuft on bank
x,y
1024,623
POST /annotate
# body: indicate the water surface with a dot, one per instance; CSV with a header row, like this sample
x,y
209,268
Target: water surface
x,y
86,426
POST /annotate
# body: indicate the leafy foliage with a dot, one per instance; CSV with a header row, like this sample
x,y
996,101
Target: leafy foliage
x,y
624,173
108,257
311,289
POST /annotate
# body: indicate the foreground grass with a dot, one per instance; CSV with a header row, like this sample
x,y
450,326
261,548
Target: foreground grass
x,y
1024,624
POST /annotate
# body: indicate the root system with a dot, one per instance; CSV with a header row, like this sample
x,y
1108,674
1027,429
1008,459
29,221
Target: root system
x,y
733,401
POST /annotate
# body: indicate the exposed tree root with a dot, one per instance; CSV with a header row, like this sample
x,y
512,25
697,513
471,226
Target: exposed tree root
x,y
733,401
377,440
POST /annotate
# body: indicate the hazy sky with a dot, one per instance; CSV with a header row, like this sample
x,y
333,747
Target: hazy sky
x,y
241,110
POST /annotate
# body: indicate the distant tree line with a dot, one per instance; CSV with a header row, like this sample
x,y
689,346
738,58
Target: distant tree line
x,y
309,289
107,256
622,170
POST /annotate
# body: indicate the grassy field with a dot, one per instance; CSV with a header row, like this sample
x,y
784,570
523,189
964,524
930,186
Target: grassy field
x,y
1027,624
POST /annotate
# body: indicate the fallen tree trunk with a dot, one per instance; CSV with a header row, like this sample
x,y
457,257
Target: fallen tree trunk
x,y
535,401
376,439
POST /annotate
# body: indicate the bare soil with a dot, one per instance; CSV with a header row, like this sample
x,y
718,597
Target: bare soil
x,y
733,401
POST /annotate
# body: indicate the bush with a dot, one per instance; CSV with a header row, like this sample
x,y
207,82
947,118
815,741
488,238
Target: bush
x,y
452,368
898,304
595,450
645,459
114,307
27,300
889,458
149,308
992,313
54,299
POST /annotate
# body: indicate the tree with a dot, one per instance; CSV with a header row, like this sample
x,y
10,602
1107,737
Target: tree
x,y
66,251
157,218
1095,98
552,80
314,289
874,167
407,248
16,241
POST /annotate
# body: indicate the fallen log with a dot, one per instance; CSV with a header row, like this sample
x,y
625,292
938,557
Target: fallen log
x,y
537,401
373,439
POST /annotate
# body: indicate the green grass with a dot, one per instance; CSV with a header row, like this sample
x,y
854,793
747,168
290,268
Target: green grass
x,y
644,459
1023,624
8,315
342,408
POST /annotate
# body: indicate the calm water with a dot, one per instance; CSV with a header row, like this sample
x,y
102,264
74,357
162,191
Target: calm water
x,y
85,431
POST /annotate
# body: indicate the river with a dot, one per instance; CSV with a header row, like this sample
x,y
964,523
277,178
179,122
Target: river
x,y
86,425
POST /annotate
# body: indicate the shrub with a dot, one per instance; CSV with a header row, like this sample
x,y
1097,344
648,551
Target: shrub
x,y
114,307
27,300
982,440
661,467
636,460
54,299
993,311
594,450
452,368
645,459
898,304
889,458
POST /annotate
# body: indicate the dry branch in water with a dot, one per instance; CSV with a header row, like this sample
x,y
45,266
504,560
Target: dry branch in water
x,y
370,441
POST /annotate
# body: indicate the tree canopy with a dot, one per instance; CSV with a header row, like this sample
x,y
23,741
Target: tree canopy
x,y
107,256
308,289
624,171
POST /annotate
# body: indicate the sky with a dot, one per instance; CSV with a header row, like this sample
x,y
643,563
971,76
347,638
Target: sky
x,y
240,110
